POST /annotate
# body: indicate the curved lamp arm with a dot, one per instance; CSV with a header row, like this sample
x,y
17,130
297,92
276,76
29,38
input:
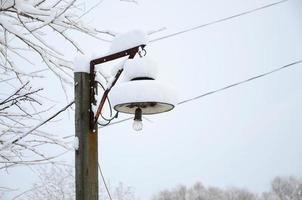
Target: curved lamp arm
x,y
93,86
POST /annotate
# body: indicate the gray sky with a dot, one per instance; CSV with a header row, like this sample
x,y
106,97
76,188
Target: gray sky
x,y
240,137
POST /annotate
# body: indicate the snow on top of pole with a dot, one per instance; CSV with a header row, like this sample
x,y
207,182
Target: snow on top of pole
x,y
81,63
128,40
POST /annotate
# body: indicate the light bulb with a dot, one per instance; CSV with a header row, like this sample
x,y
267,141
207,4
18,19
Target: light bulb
x,y
138,122
137,125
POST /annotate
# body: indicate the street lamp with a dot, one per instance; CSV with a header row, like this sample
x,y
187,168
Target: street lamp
x,y
140,93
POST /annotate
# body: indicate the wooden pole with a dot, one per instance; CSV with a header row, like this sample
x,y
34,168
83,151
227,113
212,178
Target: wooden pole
x,y
86,156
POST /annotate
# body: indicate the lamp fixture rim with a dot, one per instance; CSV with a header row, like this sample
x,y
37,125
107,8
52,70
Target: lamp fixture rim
x,y
170,107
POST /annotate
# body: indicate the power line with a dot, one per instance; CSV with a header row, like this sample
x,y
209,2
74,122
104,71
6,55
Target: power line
x,y
240,82
117,122
219,20
108,192
224,88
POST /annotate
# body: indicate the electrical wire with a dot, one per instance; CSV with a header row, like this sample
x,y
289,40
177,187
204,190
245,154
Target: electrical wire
x,y
108,192
240,82
117,122
108,100
108,121
103,125
223,88
115,116
219,20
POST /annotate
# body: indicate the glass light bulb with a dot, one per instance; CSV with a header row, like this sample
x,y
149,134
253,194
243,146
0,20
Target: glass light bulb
x,y
137,125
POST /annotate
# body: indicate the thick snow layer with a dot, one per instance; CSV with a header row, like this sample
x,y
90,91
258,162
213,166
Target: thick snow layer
x,y
81,63
142,91
128,40
139,67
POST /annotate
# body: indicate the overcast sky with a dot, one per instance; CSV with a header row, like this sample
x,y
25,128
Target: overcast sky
x,y
240,137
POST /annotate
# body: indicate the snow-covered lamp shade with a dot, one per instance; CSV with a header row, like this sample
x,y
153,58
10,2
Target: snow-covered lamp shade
x,y
140,94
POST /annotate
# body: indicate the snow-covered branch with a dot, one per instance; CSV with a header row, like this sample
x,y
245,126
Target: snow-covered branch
x,y
18,138
26,29
29,22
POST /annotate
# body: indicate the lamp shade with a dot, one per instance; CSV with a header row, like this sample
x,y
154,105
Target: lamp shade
x,y
150,96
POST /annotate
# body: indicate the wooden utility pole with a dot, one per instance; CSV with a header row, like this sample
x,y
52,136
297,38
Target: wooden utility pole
x,y
86,156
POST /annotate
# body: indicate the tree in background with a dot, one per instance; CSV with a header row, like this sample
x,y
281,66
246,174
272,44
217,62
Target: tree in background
x,y
289,188
282,188
200,192
53,183
236,194
58,182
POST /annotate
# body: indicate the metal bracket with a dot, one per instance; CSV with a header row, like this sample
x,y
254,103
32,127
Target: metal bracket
x,y
93,84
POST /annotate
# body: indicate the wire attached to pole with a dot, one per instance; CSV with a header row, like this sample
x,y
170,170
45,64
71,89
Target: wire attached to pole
x,y
107,189
240,82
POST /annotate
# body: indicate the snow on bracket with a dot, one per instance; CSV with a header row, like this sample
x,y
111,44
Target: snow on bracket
x,y
120,43
128,40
